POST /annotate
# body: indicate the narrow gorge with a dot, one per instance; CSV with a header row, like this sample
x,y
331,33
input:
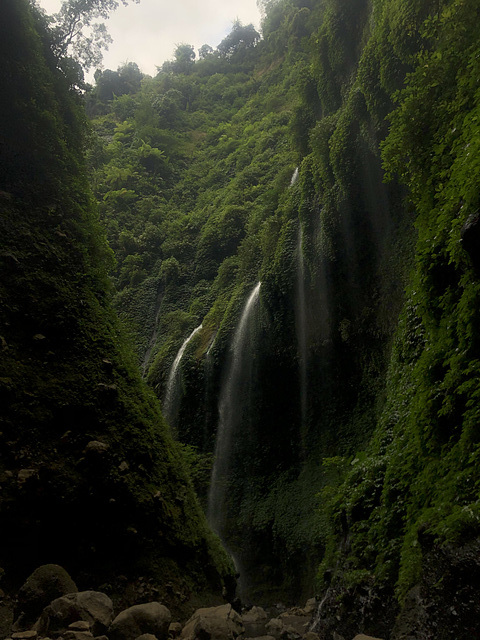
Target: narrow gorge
x,y
240,326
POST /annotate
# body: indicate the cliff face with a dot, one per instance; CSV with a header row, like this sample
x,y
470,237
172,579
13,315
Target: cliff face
x,y
354,438
91,478
326,318
407,510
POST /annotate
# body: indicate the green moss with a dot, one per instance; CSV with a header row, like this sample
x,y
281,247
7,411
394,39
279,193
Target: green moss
x,y
67,373
391,394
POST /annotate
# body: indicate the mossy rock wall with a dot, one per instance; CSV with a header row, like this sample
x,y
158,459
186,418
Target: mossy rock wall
x,y
124,504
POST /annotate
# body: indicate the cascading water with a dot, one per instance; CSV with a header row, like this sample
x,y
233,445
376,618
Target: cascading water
x,y
169,402
209,392
230,408
301,329
294,177
301,322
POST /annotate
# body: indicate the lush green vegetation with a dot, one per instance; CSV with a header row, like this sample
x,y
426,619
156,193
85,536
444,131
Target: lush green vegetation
x,y
192,173
358,452
419,476
68,376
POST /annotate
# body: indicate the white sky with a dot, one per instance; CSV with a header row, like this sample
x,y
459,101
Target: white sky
x,y
147,33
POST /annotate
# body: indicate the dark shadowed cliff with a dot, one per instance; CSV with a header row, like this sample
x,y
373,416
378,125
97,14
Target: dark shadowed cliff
x,y
90,476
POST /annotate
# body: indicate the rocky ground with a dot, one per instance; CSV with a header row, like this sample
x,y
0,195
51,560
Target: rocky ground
x,y
50,607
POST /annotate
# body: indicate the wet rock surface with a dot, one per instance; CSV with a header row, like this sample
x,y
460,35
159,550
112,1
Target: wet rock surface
x,y
444,606
93,607
446,603
45,584
255,621
214,623
151,618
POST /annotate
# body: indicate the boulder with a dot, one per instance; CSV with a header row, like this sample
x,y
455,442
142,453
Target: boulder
x,y
6,618
93,607
290,633
79,625
147,636
310,606
95,447
214,623
293,611
298,621
255,622
25,475
274,627
361,636
151,618
175,629
77,635
48,582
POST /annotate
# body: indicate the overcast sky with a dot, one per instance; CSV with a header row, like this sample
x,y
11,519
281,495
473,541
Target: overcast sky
x,y
147,33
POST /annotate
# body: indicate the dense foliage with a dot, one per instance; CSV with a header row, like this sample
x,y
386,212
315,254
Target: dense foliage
x,y
357,447
419,479
68,377
192,173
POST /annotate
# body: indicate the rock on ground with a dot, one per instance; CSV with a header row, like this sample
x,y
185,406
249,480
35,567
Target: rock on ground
x,y
147,636
94,607
79,625
310,606
48,582
76,635
296,620
214,623
175,629
152,618
255,622
275,627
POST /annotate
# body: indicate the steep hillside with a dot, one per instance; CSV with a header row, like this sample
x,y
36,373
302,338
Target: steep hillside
x,y
90,476
222,207
407,514
295,223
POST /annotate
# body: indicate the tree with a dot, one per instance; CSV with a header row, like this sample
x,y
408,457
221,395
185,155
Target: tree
x,y
264,6
205,51
126,80
75,32
241,37
184,58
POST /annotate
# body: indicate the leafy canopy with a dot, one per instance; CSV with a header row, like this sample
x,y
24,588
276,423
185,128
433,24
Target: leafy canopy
x,y
76,33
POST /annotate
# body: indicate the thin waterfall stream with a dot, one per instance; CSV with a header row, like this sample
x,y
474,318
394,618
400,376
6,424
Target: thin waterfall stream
x,y
230,413
169,402
294,177
301,323
301,329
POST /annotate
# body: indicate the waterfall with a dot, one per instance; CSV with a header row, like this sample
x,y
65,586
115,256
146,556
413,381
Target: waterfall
x,y
230,413
294,177
301,329
210,346
169,402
